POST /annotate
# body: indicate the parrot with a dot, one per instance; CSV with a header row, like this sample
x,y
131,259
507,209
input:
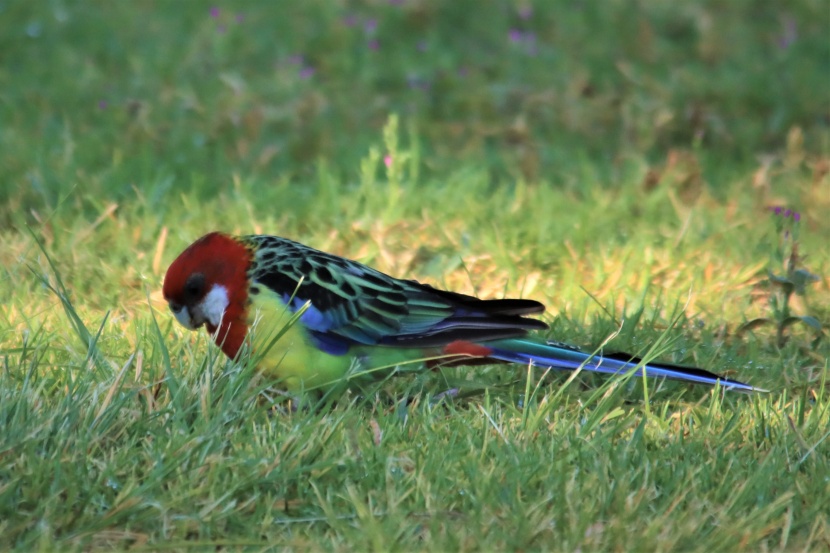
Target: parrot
x,y
314,320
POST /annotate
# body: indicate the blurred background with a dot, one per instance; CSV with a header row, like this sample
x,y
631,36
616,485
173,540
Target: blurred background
x,y
181,96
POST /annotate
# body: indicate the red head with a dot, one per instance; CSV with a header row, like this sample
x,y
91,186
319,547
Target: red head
x,y
208,285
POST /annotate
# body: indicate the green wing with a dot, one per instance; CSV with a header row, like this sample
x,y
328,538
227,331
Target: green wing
x,y
351,303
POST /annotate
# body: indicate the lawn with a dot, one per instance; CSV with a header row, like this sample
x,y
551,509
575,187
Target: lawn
x,y
656,173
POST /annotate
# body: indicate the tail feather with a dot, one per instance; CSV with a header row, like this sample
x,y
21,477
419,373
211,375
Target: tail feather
x,y
558,356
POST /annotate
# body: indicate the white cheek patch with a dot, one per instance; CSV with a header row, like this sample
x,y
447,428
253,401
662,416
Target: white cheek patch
x,y
214,305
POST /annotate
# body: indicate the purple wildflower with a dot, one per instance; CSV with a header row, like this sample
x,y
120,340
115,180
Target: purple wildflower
x,y
526,12
796,216
214,12
778,209
787,213
374,44
295,59
515,35
240,17
350,20
789,34
102,104
387,160
307,72
370,26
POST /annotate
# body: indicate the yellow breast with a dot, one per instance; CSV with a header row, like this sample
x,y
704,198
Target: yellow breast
x,y
284,351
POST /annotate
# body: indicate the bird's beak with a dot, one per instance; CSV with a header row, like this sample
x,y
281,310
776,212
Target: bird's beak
x,y
184,316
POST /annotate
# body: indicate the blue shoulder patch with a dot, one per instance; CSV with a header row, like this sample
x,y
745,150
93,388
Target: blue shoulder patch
x,y
312,318
330,343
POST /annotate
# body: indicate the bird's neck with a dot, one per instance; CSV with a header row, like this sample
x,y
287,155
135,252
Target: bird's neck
x,y
230,334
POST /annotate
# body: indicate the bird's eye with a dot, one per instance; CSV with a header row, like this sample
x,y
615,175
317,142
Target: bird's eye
x,y
174,307
194,288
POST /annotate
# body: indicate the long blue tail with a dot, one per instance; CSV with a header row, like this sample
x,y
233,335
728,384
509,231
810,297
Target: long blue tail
x,y
560,356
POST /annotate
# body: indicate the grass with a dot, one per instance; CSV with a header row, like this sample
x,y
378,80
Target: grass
x,y
616,163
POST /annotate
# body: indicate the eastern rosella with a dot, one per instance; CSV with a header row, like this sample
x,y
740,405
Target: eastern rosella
x,y
350,316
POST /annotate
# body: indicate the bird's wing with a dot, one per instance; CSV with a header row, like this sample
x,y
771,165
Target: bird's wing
x,y
351,303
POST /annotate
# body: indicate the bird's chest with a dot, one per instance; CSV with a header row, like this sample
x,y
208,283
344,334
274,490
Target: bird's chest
x,y
284,350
